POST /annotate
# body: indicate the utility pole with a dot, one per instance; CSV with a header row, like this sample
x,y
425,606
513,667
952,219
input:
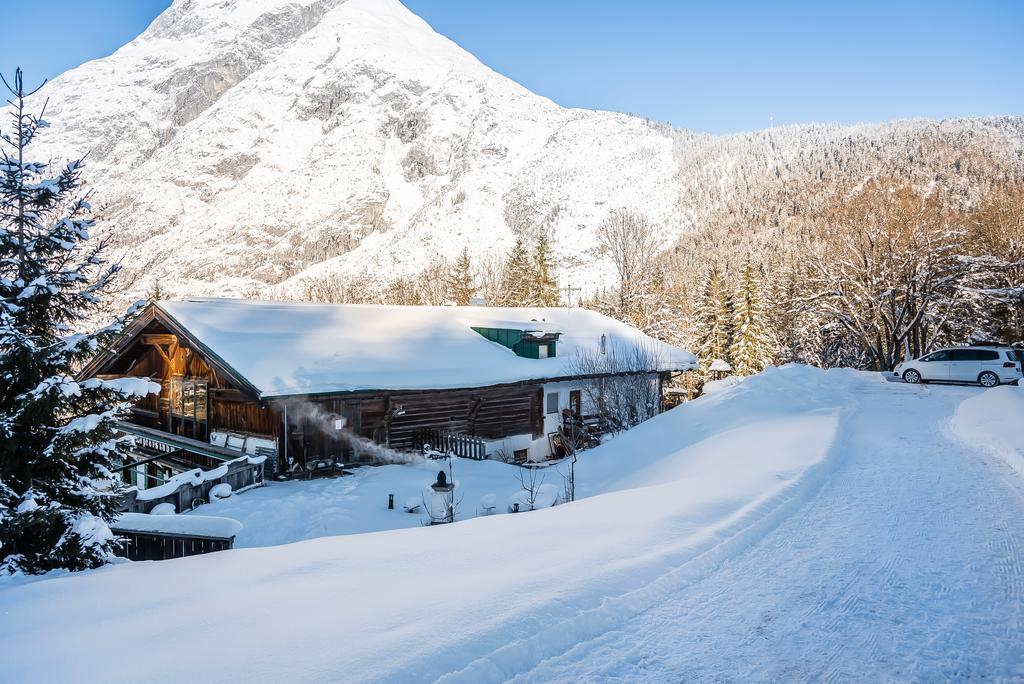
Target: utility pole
x,y
569,290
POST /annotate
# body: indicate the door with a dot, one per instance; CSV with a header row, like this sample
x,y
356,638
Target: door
x,y
935,366
576,402
964,365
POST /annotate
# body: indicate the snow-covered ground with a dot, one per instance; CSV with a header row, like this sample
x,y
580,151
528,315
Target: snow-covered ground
x,y
285,512
799,525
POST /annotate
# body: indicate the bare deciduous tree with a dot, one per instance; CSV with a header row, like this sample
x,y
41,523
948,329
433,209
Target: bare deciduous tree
x,y
889,271
622,384
531,484
628,238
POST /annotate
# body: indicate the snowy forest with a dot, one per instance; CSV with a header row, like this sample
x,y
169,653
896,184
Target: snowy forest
x,y
874,273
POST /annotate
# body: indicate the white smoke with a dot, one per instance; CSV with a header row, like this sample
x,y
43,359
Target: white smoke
x,y
307,413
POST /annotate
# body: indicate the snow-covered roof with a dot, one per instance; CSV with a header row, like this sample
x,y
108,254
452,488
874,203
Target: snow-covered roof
x,y
200,526
288,348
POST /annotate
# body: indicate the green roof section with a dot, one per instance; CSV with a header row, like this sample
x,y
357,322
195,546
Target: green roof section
x,y
525,343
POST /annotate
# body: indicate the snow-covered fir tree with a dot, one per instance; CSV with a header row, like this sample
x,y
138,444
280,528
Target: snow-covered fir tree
x,y
57,436
543,284
460,281
753,346
714,324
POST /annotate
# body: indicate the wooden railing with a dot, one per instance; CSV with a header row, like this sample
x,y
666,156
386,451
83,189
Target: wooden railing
x,y
457,443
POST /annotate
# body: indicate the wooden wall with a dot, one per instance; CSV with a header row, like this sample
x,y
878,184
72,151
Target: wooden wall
x,y
489,412
399,419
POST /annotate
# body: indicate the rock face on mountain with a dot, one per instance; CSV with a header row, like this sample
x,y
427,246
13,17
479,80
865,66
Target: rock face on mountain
x,y
246,146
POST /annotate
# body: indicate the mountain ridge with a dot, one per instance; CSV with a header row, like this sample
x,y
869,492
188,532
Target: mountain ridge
x,y
248,148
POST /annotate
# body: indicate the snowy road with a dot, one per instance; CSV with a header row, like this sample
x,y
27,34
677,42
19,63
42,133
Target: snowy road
x,y
906,565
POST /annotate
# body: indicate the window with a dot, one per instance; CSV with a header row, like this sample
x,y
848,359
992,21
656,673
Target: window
x,y
552,402
938,356
542,351
973,355
187,399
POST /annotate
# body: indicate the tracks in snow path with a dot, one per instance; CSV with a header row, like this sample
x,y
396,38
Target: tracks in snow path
x,y
907,564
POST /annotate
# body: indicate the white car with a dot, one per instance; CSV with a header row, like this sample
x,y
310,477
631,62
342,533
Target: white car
x,y
987,366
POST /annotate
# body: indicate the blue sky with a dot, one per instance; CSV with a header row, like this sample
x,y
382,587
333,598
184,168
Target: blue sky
x,y
709,66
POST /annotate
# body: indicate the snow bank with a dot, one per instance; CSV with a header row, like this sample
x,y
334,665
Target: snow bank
x,y
198,525
994,420
712,386
669,501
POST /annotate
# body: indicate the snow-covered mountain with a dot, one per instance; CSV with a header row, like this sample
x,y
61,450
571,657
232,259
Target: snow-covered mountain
x,y
245,146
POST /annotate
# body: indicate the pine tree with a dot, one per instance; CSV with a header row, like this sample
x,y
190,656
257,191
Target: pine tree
x,y
57,436
543,285
753,347
460,281
516,284
156,293
713,321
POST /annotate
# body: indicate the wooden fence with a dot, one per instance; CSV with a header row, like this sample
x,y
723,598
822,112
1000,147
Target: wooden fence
x,y
465,446
145,546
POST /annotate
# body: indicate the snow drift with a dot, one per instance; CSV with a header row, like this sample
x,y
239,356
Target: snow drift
x,y
994,420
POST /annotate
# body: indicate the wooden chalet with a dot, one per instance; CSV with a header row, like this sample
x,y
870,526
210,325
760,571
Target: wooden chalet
x,y
308,383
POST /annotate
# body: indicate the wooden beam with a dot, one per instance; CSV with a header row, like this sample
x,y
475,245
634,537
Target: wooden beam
x,y
158,339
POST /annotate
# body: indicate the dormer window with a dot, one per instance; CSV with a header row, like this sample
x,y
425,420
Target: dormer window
x,y
527,343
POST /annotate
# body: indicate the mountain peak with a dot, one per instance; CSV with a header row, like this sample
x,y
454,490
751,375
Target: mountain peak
x,y
256,146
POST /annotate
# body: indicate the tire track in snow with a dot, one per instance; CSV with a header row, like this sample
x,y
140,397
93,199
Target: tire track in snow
x,y
906,565
741,531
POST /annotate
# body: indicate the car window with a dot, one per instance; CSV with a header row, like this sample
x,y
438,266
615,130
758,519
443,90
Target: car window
x,y
961,355
987,355
937,356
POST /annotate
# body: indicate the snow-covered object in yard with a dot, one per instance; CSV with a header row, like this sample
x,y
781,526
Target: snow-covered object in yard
x,y
195,525
488,504
994,420
544,495
220,491
720,366
441,502
288,348
165,508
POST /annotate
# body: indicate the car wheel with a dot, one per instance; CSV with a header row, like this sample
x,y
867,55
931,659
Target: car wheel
x,y
912,377
988,379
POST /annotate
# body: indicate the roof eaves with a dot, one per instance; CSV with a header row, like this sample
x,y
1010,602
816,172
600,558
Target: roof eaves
x,y
231,370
